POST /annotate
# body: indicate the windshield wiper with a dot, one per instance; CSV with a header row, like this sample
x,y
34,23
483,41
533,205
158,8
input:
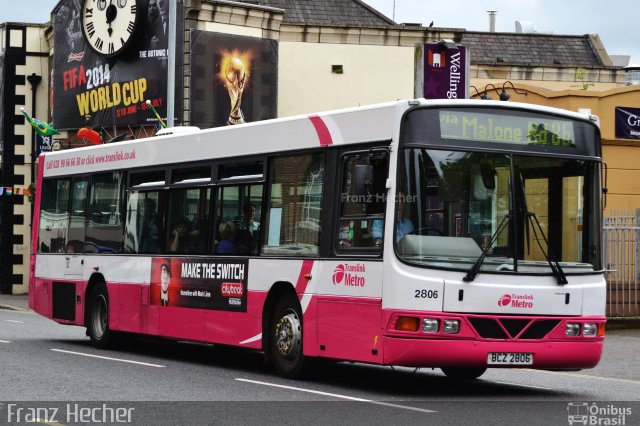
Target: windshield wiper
x,y
473,272
556,269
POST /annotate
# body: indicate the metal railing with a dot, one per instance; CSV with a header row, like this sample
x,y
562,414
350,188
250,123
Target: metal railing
x,y
621,253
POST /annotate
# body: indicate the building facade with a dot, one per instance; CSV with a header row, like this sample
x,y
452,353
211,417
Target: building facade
x,y
23,84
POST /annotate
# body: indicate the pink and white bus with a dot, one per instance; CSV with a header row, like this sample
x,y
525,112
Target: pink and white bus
x,y
453,234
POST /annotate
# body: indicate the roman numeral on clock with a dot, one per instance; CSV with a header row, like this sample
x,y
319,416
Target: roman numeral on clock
x,y
99,43
111,48
131,27
88,13
90,29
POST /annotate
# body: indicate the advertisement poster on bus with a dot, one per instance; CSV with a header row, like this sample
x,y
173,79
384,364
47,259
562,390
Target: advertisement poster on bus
x,y
442,71
217,284
627,123
105,90
234,79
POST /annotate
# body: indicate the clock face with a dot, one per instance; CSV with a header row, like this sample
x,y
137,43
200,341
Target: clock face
x,y
109,25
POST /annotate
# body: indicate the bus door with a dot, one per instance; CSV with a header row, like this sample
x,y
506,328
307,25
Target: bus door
x,y
350,303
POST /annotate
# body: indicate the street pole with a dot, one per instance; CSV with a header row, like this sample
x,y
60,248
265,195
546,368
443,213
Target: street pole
x,y
171,67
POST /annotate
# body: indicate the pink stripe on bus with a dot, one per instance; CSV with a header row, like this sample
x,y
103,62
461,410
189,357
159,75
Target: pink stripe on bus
x,y
322,130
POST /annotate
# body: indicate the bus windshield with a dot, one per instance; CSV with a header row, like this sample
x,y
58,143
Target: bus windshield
x,y
521,212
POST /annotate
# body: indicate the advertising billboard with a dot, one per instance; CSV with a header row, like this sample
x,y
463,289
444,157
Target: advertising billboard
x,y
234,79
217,284
627,123
104,69
442,71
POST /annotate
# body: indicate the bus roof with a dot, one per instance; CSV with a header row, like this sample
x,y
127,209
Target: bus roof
x,y
346,126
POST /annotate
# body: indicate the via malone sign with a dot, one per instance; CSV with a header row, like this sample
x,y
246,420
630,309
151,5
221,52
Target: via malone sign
x,y
442,71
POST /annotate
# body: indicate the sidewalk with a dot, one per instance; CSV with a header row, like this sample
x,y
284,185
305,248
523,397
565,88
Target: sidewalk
x,y
14,302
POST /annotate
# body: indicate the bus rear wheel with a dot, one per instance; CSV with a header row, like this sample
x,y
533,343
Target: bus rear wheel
x,y
98,317
286,338
463,373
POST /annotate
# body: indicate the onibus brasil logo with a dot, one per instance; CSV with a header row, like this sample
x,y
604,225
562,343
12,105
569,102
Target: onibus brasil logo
x,y
349,275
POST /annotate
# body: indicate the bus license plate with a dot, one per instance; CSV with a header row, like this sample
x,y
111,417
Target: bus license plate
x,y
508,358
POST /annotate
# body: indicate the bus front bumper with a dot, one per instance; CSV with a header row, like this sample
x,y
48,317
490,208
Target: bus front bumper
x,y
560,355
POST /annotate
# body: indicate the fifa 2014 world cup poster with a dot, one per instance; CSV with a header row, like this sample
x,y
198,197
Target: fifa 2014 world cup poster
x,y
95,90
234,79
217,284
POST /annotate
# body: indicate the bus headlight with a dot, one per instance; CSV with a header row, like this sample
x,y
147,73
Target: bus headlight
x,y
590,329
430,325
572,329
451,326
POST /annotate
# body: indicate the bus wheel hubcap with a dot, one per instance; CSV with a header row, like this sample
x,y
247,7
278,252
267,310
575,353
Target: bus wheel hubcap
x,y
288,335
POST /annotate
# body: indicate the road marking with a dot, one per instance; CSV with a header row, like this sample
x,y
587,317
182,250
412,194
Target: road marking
x,y
335,395
44,421
109,358
524,386
586,376
17,322
4,341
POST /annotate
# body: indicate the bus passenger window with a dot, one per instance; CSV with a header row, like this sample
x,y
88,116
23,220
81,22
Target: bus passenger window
x,y
362,200
294,207
144,223
188,220
54,215
106,224
238,219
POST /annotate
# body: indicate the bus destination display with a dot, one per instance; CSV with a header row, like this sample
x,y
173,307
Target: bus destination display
x,y
477,126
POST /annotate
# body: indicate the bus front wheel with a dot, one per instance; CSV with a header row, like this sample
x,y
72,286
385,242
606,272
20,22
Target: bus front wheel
x,y
463,373
286,337
98,317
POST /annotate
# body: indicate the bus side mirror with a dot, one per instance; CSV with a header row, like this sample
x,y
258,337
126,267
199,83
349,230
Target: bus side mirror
x,y
362,179
488,176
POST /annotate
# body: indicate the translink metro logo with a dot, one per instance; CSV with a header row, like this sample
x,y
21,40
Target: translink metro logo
x,y
349,275
516,301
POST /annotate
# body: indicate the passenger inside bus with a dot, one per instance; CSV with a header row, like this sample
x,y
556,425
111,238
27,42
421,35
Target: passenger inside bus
x,y
227,244
404,225
182,237
151,226
248,230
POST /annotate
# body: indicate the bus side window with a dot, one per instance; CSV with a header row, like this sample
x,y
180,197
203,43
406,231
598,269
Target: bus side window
x,y
361,215
293,212
238,223
188,220
54,215
106,224
144,222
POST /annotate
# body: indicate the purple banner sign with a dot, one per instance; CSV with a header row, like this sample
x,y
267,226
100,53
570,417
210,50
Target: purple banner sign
x,y
444,71
627,123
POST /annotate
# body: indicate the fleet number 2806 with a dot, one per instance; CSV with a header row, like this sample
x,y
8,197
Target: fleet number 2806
x,y
426,294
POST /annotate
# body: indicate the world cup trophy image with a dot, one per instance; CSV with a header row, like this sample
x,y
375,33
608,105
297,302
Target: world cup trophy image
x,y
234,73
